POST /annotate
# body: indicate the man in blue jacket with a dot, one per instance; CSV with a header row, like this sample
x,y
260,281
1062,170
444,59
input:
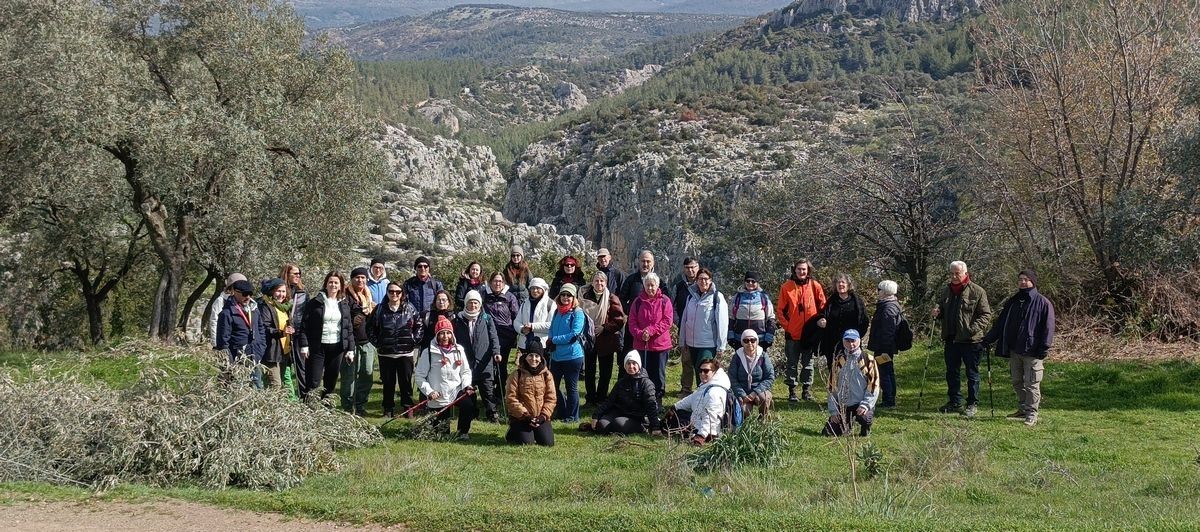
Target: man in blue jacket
x,y
1024,333
240,332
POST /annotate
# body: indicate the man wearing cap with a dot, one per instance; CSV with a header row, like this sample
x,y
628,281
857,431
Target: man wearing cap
x,y
1023,333
218,303
422,287
476,333
604,264
377,281
240,329
853,388
517,275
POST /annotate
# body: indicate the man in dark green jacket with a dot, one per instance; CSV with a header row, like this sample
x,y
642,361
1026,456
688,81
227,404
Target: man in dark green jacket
x,y
963,311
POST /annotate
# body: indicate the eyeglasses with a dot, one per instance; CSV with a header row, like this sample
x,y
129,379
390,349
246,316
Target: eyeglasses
x,y
395,292
750,341
422,266
296,273
704,278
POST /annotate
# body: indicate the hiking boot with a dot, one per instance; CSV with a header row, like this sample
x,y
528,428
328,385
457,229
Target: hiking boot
x,y
970,411
1016,415
493,418
1031,419
792,395
683,393
389,413
462,436
949,408
807,395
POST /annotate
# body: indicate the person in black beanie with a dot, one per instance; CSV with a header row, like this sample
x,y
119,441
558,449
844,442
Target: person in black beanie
x,y
1023,333
422,287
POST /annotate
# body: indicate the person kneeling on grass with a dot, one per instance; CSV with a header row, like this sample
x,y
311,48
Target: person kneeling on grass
x,y
444,375
752,375
530,399
631,407
853,388
705,407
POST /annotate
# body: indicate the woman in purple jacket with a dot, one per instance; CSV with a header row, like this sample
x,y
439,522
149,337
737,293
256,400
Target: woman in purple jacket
x,y
650,317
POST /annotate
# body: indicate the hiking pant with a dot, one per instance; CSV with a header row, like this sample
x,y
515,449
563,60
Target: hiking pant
x,y
601,368
468,410
698,355
1026,373
521,433
957,356
357,378
841,426
324,362
687,373
395,370
568,399
655,363
289,379
800,359
507,343
614,424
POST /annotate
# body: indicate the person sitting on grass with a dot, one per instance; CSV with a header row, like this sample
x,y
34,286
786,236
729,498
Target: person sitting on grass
x,y
752,375
530,399
853,388
703,408
444,374
631,407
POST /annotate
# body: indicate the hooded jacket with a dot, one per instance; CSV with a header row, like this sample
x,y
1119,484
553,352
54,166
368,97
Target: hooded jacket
x,y
313,319
503,306
707,404
1032,321
653,314
530,392
632,397
704,321
481,346
447,373
799,302
757,379
537,316
378,288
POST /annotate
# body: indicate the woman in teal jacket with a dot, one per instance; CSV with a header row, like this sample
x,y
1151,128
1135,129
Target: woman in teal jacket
x,y
566,361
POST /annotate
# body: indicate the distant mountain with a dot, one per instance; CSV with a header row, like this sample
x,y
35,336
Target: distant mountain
x,y
328,13
504,34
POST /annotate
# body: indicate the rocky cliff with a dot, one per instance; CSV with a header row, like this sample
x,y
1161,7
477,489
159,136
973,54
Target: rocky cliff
x,y
905,10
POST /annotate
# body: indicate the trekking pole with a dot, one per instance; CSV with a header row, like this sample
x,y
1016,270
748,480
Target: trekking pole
x,y
925,372
405,413
459,399
991,397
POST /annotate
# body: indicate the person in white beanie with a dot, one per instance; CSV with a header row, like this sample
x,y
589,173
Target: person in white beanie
x,y
476,333
751,375
533,320
884,326
631,407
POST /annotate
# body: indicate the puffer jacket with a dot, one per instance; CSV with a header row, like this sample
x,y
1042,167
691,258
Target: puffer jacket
x,y
395,331
530,393
653,314
537,316
632,397
751,309
707,404
503,306
447,373
758,379
799,303
884,325
608,336
313,320
964,317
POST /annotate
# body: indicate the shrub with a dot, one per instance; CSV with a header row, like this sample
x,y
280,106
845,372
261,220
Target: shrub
x,y
757,443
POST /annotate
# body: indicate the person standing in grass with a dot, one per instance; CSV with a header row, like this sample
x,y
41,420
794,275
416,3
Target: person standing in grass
x,y
443,305
214,311
853,388
801,300
632,407
884,326
704,322
395,330
614,276
844,310
470,279
326,335
422,286
240,329
650,319
962,308
517,275
358,372
704,408
277,356
604,307
751,376
566,362
476,334
503,307
377,282
751,308
533,320
444,375
1023,333
292,276
681,291
530,399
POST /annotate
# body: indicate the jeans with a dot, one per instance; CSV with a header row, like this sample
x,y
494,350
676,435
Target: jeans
x,y
357,378
656,367
887,381
958,355
395,371
568,401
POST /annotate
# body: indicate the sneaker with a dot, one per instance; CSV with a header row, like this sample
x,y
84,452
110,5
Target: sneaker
x,y
493,418
462,436
807,395
1016,415
970,411
949,408
389,413
1031,419
792,396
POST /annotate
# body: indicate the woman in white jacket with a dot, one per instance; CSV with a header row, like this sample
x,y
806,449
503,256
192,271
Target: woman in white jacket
x,y
535,314
705,407
444,374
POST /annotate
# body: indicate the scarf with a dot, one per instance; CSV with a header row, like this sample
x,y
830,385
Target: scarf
x,y
449,354
363,297
957,289
564,309
749,362
473,315
286,307
602,309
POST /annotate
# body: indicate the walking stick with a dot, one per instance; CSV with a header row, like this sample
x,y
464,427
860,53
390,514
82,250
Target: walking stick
x,y
469,392
405,413
991,397
925,372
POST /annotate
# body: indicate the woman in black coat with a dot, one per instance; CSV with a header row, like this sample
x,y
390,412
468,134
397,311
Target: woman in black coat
x,y
395,331
631,407
844,310
325,335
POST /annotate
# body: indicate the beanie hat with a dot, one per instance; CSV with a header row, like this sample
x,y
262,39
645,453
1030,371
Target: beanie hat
x,y
634,356
359,271
538,282
443,324
851,334
1032,275
377,261
518,250
749,333
567,289
889,288
473,295
420,260
243,286
751,276
233,278
534,346
269,285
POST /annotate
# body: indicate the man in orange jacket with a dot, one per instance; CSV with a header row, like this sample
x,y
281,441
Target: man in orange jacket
x,y
801,299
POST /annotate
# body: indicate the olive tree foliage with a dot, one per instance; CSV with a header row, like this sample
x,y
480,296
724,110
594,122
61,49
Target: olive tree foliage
x,y
235,145
1083,97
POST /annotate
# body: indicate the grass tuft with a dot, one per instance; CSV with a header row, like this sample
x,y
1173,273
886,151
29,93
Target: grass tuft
x,y
757,443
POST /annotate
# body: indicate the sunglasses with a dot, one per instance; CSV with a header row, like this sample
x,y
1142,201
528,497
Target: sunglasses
x,y
394,292
422,266
751,281
750,341
702,370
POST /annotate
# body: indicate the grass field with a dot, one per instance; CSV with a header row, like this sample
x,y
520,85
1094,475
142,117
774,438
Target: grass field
x,y
1116,448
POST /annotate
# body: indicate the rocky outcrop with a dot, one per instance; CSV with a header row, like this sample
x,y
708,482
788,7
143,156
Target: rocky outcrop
x,y
628,79
444,113
442,200
905,10
569,95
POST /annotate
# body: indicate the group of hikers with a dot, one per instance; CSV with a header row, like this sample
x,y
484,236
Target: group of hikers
x,y
454,347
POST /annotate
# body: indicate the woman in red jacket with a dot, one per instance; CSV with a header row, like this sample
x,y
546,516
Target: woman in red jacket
x,y
650,317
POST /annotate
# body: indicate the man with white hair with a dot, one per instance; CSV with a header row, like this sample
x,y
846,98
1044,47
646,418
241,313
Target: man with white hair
x,y
963,311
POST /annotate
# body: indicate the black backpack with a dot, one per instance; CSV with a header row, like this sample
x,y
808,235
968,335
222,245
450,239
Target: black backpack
x,y
904,335
587,338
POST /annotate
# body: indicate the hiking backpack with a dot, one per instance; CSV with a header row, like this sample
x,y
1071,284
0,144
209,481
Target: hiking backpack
x,y
732,418
587,338
904,335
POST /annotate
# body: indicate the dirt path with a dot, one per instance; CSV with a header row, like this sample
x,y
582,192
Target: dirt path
x,y
172,516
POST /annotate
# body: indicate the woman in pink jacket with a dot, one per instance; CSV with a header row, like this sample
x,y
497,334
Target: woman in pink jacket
x,y
650,317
